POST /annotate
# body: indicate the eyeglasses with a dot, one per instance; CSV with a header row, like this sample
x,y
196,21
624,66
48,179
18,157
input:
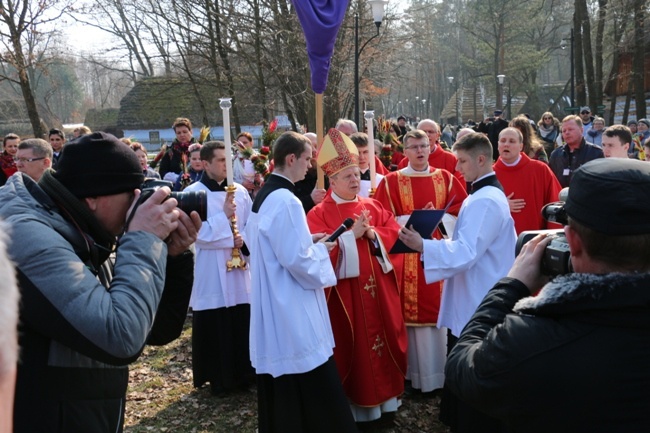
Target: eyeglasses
x,y
24,160
431,132
585,112
417,146
547,118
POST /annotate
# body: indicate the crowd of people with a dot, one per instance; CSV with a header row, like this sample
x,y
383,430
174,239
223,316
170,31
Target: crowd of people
x,y
317,284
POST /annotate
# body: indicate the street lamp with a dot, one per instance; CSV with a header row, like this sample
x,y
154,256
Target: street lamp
x,y
573,73
417,108
500,77
424,108
377,7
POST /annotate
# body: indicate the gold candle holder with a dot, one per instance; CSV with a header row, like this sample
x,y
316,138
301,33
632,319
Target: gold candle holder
x,y
236,260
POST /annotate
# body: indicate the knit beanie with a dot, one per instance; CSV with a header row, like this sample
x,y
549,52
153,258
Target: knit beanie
x,y
98,164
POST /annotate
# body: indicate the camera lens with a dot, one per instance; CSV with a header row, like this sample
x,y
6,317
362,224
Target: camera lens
x,y
192,200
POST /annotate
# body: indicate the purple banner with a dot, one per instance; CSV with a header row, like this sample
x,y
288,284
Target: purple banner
x,y
320,21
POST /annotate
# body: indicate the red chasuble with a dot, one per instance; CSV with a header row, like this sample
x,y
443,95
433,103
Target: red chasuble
x,y
534,182
440,158
365,311
402,194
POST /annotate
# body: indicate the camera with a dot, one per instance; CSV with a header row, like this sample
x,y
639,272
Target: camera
x,y
188,201
556,259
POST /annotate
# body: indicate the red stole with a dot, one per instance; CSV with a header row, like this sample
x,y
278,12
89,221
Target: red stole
x,y
403,194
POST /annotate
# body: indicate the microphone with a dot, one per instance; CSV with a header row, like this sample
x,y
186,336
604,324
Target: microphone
x,y
339,231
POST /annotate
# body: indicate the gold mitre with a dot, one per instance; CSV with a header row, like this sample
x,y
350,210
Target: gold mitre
x,y
337,152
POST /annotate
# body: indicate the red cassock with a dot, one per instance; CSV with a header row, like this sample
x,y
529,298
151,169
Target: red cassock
x,y
534,182
402,194
380,167
365,311
440,158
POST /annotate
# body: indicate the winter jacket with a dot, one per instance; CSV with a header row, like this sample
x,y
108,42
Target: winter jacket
x,y
80,324
563,162
574,358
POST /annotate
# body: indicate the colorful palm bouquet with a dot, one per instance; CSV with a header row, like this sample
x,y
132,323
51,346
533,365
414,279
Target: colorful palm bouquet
x,y
258,159
386,134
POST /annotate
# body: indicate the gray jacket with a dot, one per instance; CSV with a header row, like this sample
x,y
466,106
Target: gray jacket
x,y
80,327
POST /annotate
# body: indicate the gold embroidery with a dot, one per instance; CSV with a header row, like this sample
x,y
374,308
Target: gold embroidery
x,y
412,262
370,287
378,345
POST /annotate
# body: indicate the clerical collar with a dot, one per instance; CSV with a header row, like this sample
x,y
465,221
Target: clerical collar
x,y
338,200
273,183
410,170
365,175
489,179
283,176
513,164
212,184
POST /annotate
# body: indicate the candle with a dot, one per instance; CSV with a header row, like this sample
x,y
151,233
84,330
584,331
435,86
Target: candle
x,y
369,116
225,105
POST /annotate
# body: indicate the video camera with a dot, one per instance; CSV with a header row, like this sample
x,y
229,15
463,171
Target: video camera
x,y
187,200
556,259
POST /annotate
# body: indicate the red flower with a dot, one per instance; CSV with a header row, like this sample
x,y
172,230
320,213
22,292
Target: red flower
x,y
273,125
265,150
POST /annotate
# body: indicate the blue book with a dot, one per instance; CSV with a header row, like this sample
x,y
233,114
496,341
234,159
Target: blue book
x,y
423,222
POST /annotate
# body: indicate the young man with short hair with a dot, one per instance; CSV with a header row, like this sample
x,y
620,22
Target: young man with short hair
x,y
220,297
479,253
360,139
291,340
616,141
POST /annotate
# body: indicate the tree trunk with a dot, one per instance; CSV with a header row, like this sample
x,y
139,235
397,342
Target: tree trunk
x,y
598,83
581,91
587,53
639,59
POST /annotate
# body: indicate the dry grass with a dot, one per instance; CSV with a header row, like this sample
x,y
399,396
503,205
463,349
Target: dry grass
x,y
161,398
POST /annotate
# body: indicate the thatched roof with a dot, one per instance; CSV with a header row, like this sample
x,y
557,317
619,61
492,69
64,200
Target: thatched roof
x,y
103,120
155,103
14,118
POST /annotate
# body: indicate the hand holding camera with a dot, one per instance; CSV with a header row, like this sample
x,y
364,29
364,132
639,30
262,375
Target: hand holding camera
x,y
156,214
527,267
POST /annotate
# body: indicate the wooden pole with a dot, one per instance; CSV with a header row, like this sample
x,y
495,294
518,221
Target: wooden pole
x,y
320,181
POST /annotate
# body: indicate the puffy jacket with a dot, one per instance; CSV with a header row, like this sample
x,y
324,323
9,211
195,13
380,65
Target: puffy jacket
x,y
574,358
79,329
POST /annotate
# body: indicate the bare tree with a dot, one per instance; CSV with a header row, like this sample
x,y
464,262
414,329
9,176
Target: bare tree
x,y
23,27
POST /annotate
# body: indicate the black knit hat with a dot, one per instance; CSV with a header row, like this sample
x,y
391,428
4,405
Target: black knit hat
x,y
98,164
611,196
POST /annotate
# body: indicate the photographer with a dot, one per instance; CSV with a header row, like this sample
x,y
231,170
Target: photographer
x,y
83,316
573,357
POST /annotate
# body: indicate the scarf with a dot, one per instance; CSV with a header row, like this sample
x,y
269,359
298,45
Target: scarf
x,y
99,242
7,163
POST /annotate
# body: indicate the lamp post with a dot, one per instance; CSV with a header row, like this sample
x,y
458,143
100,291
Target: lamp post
x,y
417,109
377,7
501,78
424,109
573,72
